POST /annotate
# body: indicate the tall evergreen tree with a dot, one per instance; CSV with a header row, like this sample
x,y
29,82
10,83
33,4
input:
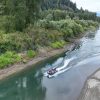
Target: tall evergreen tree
x,y
21,12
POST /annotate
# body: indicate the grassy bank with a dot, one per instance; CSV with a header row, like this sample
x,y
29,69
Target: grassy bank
x,y
55,41
52,30
44,33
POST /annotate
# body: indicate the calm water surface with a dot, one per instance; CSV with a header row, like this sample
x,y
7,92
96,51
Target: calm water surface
x,y
32,85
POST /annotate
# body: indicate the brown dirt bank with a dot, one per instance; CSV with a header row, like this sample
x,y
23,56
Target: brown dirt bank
x,y
4,73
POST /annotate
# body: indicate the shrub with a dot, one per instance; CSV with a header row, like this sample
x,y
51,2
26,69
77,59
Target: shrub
x,y
31,53
49,17
57,44
77,28
68,32
42,33
53,14
9,58
59,14
92,28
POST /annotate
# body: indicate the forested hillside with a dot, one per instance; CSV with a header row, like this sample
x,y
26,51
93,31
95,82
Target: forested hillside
x,y
59,4
28,25
17,14
70,7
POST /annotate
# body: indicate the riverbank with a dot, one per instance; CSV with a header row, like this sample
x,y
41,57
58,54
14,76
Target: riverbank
x,y
42,55
91,89
4,73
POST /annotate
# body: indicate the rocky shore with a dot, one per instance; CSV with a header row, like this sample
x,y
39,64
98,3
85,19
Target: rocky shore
x,y
91,90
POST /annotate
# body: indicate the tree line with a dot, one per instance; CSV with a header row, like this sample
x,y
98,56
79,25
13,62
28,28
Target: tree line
x,y
70,7
29,25
19,14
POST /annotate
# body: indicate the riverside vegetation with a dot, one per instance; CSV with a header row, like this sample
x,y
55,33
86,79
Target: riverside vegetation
x,y
28,25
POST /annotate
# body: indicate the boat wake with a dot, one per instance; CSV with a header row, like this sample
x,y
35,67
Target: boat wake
x,y
56,71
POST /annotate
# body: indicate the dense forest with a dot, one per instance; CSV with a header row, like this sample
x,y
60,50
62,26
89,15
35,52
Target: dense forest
x,y
28,25
70,7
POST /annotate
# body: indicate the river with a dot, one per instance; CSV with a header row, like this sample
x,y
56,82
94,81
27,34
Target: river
x,y
32,85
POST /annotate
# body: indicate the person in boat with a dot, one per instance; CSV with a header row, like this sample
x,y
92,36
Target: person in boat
x,y
52,71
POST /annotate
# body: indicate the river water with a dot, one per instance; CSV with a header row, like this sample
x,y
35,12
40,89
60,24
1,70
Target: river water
x,y
32,85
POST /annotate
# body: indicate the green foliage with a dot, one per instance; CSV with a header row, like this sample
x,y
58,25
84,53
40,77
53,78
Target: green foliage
x,y
15,41
9,58
59,15
58,44
67,27
31,53
19,13
42,34
77,28
49,17
92,28
68,32
59,4
25,24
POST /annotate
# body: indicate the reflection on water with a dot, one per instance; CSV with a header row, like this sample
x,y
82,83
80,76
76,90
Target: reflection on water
x,y
26,85
23,88
32,85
